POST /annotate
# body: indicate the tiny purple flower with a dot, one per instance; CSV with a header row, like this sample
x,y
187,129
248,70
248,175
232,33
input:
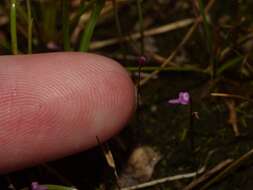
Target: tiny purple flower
x,y
36,186
142,60
183,98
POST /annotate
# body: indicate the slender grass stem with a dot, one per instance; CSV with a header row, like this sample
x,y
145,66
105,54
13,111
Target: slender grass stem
x,y
88,32
13,27
208,37
84,6
229,170
59,187
116,17
140,17
176,69
192,135
53,187
30,25
66,25
206,25
117,22
22,13
5,44
49,19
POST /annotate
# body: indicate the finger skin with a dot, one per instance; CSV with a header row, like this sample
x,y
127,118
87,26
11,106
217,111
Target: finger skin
x,y
55,104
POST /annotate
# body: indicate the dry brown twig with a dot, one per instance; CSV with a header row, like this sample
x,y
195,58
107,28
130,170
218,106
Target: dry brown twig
x,y
226,95
233,166
85,17
231,107
172,55
208,174
83,20
232,120
109,158
165,179
181,44
151,32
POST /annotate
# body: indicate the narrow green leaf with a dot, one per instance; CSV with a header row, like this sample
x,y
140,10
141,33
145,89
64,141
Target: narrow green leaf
x,y
229,64
54,187
206,25
84,6
49,19
140,17
13,27
59,187
208,36
88,32
29,27
66,25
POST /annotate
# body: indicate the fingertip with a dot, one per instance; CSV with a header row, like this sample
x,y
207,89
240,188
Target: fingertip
x,y
56,104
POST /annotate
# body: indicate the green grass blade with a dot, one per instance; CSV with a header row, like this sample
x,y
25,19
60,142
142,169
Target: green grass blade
x,y
229,64
22,14
118,25
88,32
59,187
66,25
206,25
13,27
5,44
213,60
30,25
49,19
140,17
84,6
188,68
54,187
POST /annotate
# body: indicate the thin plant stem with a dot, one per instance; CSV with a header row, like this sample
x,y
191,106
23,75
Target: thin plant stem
x,y
84,6
229,170
49,16
138,109
117,22
30,25
116,17
22,13
140,17
54,172
180,45
5,44
59,187
208,174
152,183
191,125
66,25
88,32
150,32
109,159
206,25
191,134
13,27
172,55
177,69
208,37
53,187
